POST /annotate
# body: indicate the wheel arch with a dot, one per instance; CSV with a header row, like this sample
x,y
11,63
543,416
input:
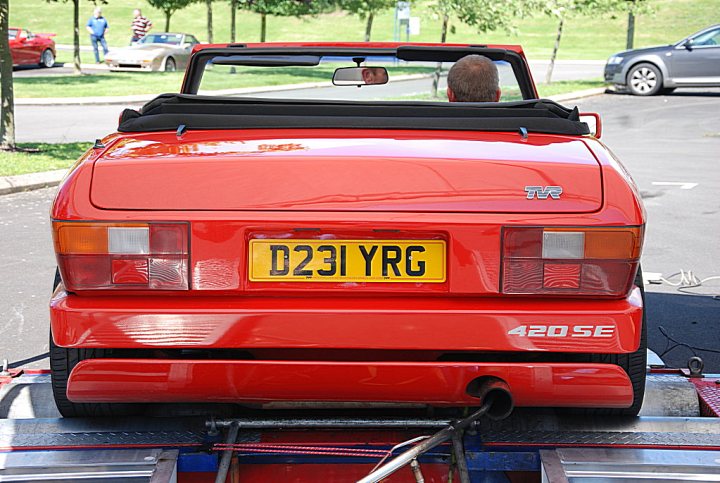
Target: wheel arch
x,y
653,59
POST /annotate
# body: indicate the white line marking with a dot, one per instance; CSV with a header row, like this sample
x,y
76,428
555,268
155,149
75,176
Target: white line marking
x,y
682,185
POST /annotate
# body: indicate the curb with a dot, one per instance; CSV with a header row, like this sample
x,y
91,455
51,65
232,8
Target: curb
x,y
571,96
31,181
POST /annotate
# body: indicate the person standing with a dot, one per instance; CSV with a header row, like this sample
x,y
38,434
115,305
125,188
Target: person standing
x,y
140,26
96,27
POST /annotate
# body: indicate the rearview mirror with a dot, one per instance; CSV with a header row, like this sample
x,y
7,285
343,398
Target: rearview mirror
x,y
360,76
688,44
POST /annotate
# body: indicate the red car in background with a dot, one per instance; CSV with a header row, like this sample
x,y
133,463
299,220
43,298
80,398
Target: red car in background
x,y
28,48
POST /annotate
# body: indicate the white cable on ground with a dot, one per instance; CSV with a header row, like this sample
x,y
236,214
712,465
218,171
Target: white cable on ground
x,y
688,280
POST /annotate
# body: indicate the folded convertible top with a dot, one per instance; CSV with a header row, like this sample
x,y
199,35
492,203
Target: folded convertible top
x,y
168,112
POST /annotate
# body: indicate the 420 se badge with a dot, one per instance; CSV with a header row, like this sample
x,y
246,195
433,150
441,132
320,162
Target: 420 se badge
x,y
280,260
563,331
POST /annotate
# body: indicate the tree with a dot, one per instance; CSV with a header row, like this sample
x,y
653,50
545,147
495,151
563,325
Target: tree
x,y
7,102
169,7
233,11
282,8
484,15
564,9
76,32
366,10
208,4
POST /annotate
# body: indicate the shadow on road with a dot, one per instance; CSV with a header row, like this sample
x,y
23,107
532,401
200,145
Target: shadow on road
x,y
692,321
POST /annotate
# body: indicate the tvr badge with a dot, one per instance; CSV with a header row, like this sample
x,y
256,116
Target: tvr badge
x,y
542,193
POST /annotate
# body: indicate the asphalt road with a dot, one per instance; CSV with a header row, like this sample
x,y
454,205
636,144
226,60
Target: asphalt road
x,y
666,139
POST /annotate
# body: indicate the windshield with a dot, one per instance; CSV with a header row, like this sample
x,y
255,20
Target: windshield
x,y
12,33
172,39
406,80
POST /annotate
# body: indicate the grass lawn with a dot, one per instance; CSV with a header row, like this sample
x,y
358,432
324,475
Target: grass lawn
x,y
48,157
593,37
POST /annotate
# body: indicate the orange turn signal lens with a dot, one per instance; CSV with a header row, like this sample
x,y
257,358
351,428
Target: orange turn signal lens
x,y
78,238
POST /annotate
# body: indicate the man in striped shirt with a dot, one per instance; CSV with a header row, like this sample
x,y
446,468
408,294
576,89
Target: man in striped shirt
x,y
140,26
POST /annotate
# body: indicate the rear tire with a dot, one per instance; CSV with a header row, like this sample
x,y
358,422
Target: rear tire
x,y
62,362
634,364
47,59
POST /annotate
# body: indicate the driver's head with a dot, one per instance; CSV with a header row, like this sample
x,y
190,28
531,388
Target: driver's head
x,y
374,75
474,78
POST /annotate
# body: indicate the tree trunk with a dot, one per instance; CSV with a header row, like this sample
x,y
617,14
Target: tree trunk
x,y
76,37
438,68
168,14
233,11
630,30
548,75
7,102
209,21
368,26
263,26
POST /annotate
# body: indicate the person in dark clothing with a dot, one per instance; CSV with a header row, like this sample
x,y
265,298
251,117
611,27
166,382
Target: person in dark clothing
x,y
96,27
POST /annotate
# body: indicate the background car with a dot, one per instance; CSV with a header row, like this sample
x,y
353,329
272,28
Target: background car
x,y
159,52
28,48
692,62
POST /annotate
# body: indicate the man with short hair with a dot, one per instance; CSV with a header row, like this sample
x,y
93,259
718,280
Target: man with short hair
x,y
96,27
474,78
140,26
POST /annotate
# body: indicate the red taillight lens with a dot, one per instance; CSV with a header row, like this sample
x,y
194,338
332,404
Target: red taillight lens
x,y
570,261
132,256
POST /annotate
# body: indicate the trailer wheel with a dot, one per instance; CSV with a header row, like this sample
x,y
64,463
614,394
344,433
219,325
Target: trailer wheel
x,y
634,364
62,362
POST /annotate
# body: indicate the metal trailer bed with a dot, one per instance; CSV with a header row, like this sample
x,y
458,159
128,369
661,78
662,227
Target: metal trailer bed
x,y
677,440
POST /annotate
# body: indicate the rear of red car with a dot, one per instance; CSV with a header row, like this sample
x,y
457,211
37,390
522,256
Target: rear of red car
x,y
346,265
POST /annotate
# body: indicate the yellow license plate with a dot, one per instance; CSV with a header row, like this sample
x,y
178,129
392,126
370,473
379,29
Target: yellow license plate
x,y
347,261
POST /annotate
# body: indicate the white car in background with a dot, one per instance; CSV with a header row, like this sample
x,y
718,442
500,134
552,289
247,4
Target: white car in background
x,y
162,51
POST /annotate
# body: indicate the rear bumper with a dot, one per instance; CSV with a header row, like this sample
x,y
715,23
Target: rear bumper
x,y
152,380
397,323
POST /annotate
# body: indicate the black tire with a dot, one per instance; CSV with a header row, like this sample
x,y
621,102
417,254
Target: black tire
x,y
62,362
634,364
170,65
47,59
644,79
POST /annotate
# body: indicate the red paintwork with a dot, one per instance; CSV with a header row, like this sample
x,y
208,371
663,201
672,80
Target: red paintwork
x,y
399,324
421,171
27,48
436,383
231,186
327,473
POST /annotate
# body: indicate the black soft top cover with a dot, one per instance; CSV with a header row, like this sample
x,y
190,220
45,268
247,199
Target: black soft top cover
x,y
169,112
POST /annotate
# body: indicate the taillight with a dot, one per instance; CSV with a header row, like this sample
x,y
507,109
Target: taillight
x,y
570,261
131,256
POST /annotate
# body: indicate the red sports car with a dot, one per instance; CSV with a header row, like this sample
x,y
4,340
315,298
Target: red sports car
x,y
28,48
361,242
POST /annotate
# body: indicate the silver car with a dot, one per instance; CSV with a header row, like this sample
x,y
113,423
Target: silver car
x,y
162,51
692,62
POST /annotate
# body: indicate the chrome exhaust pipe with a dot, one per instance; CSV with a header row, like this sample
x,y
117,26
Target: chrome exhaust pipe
x,y
497,403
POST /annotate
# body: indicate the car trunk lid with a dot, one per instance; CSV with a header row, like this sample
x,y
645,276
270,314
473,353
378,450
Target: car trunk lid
x,y
353,171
